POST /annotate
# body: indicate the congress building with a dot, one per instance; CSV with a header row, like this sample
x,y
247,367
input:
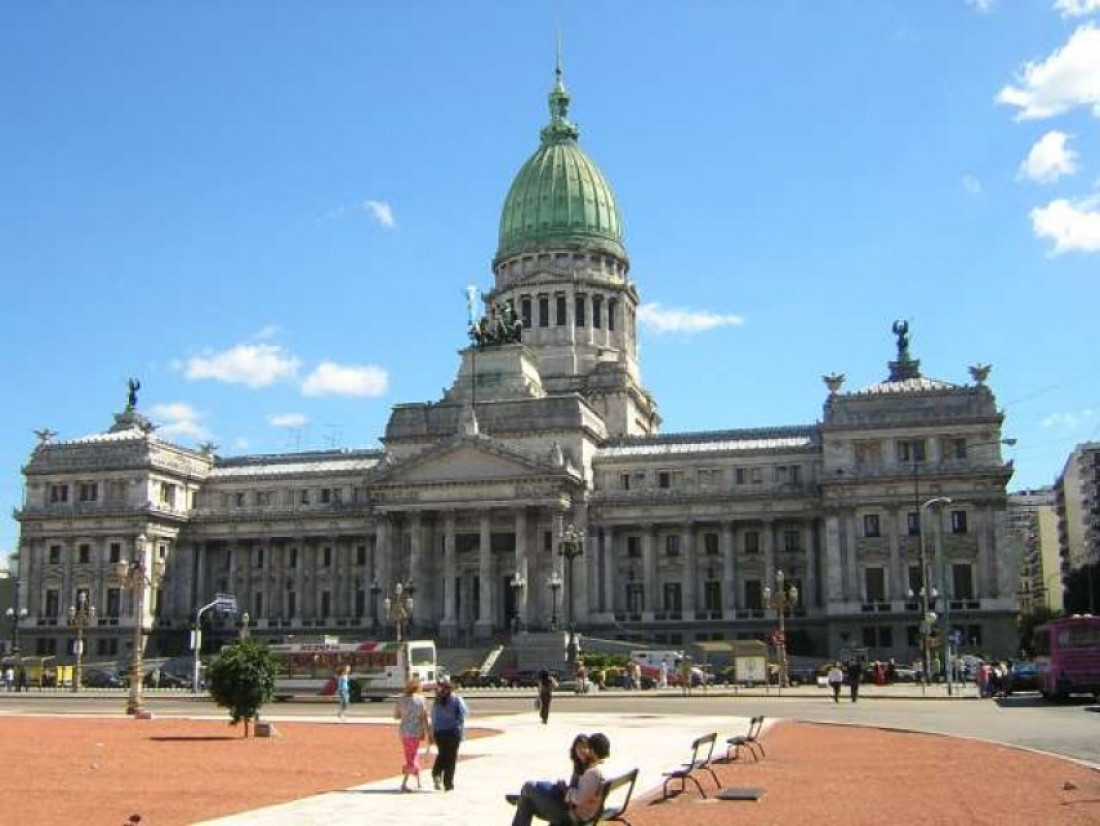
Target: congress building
x,y
540,490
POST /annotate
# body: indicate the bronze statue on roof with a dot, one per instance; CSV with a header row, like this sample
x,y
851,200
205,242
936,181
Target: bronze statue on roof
x,y
132,399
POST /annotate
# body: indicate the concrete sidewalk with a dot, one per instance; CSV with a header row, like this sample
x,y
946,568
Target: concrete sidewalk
x,y
526,750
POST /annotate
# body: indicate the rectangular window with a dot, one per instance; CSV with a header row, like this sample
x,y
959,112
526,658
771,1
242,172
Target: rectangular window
x,y
710,543
326,603
360,554
796,474
671,597
871,525
559,310
59,494
525,311
624,481
84,554
291,605
55,554
958,521
712,596
360,602
257,605
739,476
88,491
578,309
544,311
259,558
611,307
874,584
752,542
790,540
168,494
958,448
664,480
53,603
304,496
326,496
635,597
634,547
962,581
326,554
672,544
754,595
916,581
597,312
974,634
114,552
911,450
239,499
293,558
756,475
912,521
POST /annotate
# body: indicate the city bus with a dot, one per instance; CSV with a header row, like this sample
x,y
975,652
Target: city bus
x,y
379,669
1067,656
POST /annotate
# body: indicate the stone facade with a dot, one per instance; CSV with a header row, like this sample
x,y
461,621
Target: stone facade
x,y
682,535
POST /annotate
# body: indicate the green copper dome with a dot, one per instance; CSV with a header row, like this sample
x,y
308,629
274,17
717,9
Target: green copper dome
x,y
559,197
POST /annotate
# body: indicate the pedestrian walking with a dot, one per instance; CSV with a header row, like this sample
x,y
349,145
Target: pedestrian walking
x,y
685,677
835,679
343,690
547,684
413,728
855,676
449,714
663,679
9,678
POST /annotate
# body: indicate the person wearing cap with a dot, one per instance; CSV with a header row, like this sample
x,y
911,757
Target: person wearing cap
x,y
580,802
449,714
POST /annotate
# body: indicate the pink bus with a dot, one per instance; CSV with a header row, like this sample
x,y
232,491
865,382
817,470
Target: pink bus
x,y
1067,656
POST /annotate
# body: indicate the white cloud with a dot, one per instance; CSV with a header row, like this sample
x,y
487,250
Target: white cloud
x,y
253,365
1069,421
178,419
286,420
971,184
1076,8
1073,227
331,379
982,6
1068,78
674,320
1049,159
266,332
382,212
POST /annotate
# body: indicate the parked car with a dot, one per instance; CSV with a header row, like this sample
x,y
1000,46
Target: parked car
x,y
517,678
1022,676
473,678
101,678
167,679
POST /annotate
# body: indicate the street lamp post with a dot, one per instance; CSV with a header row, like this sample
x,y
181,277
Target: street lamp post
x,y
375,590
783,598
555,586
245,620
570,547
927,620
932,503
137,579
518,583
399,608
81,616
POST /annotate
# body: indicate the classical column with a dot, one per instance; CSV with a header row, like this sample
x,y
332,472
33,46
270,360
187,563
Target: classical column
x,y
416,572
484,625
809,583
834,579
689,572
729,581
853,586
521,567
450,572
767,549
649,569
987,584
895,585
382,540
610,580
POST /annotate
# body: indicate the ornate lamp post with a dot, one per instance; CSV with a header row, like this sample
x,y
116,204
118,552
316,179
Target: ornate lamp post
x,y
570,547
399,608
782,599
137,579
518,583
81,616
15,616
927,622
932,503
555,586
245,620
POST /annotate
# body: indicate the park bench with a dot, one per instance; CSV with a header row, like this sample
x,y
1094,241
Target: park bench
x,y
610,790
750,741
702,753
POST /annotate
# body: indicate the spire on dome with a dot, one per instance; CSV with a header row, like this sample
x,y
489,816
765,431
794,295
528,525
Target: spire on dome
x,y
559,128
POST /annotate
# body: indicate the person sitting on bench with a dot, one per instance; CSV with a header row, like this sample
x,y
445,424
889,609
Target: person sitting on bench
x,y
560,803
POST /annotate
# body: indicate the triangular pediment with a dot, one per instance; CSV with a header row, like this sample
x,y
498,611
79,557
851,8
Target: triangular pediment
x,y
466,459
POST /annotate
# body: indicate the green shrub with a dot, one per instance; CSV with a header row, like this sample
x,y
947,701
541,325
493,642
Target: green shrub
x,y
242,679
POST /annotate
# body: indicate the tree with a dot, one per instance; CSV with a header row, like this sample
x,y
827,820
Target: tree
x,y
242,679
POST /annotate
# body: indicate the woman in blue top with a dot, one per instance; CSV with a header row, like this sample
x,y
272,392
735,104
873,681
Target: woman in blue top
x,y
343,690
448,725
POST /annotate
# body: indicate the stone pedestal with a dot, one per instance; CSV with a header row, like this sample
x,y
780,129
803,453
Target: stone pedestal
x,y
501,373
540,650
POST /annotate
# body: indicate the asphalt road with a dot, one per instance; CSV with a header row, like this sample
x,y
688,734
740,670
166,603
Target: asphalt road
x,y
1071,729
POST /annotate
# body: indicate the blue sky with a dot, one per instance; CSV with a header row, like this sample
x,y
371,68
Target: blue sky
x,y
269,211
